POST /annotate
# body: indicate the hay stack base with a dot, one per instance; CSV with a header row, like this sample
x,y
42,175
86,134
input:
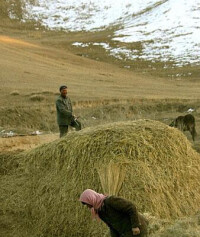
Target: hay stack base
x,y
145,161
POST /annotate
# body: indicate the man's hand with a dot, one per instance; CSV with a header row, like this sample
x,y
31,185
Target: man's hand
x,y
75,117
136,231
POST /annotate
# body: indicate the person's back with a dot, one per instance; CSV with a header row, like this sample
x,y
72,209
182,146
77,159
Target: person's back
x,y
121,216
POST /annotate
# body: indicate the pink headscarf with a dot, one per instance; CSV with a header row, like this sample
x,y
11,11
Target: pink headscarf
x,y
94,199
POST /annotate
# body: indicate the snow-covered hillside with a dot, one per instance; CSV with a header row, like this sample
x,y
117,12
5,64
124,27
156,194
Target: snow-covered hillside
x,y
169,30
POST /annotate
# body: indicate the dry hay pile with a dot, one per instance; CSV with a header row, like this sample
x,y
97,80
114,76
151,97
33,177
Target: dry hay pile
x,y
145,161
181,227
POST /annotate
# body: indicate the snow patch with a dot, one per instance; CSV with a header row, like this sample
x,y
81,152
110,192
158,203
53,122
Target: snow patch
x,y
168,30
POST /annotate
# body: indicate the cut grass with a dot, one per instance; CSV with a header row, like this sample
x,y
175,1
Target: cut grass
x,y
160,176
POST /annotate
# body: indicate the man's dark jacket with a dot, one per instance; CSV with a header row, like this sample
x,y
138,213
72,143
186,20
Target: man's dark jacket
x,y
121,216
64,110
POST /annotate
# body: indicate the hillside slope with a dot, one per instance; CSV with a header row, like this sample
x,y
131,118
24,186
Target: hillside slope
x,y
166,30
33,67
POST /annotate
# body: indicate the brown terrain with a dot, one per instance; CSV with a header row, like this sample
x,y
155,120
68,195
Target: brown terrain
x,y
32,71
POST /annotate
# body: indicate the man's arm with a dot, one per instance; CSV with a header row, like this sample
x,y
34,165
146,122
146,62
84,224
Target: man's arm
x,y
62,109
126,207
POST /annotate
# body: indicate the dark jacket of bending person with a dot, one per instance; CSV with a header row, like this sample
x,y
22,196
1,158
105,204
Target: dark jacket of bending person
x,y
119,214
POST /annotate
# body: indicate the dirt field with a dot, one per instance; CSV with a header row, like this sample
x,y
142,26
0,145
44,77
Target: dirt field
x,y
32,71
34,64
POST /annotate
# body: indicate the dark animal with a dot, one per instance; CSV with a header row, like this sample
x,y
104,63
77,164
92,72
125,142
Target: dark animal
x,y
185,123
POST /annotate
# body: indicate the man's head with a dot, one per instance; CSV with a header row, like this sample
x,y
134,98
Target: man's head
x,y
63,91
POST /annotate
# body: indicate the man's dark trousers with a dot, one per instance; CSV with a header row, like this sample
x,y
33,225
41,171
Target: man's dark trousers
x,y
64,128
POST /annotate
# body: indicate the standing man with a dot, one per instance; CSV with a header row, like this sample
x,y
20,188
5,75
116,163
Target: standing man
x,y
64,113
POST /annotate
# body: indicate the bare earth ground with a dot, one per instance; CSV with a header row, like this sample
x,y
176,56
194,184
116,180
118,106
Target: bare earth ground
x,y
31,67
25,143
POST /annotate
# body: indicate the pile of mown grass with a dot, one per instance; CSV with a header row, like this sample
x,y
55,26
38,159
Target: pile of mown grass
x,y
181,227
145,161
8,163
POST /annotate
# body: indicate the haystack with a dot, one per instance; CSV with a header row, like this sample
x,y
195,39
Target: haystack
x,y
145,161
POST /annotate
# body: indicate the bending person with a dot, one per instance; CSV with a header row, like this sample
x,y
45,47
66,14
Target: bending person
x,y
119,214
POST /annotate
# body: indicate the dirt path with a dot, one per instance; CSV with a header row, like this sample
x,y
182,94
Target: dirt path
x,y
25,142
